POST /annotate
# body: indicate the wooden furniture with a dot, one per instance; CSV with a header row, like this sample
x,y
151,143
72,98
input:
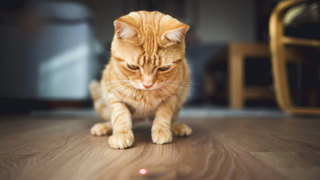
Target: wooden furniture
x,y
280,57
235,55
51,147
238,92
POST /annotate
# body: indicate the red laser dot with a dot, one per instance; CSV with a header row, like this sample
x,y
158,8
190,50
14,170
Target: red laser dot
x,y
143,171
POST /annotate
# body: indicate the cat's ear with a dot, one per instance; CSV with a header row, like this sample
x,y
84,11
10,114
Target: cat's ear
x,y
177,34
124,30
126,27
173,30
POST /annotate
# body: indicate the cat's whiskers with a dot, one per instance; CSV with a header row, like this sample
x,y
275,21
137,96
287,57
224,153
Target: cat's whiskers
x,y
129,94
164,88
124,93
112,82
164,91
104,93
176,82
135,84
185,86
179,96
181,86
173,92
108,82
118,88
185,82
168,93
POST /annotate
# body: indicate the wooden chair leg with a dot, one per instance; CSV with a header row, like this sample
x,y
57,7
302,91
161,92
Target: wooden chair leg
x,y
236,80
209,87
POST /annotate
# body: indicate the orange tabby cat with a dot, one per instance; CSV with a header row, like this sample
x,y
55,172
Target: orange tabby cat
x,y
147,77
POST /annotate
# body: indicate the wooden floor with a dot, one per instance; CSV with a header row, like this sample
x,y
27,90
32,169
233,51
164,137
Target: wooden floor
x,y
221,148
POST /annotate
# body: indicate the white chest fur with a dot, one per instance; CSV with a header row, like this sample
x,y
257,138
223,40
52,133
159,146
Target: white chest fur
x,y
143,104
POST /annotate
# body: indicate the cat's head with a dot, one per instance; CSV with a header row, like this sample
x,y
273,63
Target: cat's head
x,y
148,48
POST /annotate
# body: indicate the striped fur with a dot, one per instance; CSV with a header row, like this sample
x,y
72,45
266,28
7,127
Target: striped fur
x,y
154,43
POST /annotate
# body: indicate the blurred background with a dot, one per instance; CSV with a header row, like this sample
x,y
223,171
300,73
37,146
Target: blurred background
x,y
51,50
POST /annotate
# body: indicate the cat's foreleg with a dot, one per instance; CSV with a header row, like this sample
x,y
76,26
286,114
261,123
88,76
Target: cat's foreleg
x,y
100,129
101,108
179,129
161,132
121,120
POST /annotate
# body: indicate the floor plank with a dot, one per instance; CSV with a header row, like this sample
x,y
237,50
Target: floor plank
x,y
57,147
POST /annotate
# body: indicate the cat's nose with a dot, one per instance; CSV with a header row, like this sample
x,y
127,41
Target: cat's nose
x,y
147,86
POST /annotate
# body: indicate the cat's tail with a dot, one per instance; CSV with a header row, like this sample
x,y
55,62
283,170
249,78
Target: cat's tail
x,y
98,101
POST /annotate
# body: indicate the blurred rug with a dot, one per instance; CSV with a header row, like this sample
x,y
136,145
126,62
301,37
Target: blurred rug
x,y
187,112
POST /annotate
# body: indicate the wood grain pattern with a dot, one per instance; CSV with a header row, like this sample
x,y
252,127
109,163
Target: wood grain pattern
x,y
221,148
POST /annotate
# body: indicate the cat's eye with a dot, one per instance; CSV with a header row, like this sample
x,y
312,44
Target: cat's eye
x,y
133,67
164,68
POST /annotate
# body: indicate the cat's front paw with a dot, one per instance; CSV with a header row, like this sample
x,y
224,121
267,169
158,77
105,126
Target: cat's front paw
x,y
121,140
101,129
178,129
161,136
